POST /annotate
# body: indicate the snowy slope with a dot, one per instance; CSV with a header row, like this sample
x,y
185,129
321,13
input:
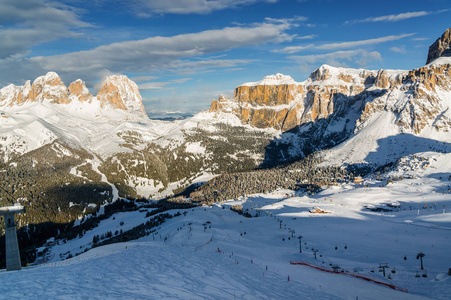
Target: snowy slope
x,y
148,270
380,141
81,125
278,79
181,259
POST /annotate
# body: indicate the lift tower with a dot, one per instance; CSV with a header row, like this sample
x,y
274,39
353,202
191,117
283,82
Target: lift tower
x,y
12,246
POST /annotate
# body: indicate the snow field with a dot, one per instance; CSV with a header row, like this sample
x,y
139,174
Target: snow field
x,y
181,258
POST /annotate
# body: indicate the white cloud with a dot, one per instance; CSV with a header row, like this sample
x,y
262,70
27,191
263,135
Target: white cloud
x,y
139,79
152,85
27,23
294,49
401,49
306,37
181,80
193,67
154,52
343,45
149,55
352,44
398,17
339,58
151,7
292,20
161,85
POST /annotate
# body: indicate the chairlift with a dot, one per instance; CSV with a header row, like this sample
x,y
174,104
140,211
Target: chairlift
x,y
417,275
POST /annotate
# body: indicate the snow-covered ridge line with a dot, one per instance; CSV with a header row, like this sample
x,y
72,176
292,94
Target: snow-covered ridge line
x,y
277,79
334,74
444,60
117,92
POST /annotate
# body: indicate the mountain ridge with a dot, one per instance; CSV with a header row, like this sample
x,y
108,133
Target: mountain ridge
x,y
284,105
117,91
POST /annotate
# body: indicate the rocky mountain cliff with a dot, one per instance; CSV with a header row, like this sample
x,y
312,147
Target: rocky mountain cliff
x,y
361,107
120,92
441,47
281,103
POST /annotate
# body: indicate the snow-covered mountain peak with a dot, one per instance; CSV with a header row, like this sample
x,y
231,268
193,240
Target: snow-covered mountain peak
x,y
49,88
278,79
78,90
49,78
118,91
327,74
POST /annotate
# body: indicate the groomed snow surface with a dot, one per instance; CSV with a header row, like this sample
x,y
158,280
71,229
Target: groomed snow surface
x,y
249,258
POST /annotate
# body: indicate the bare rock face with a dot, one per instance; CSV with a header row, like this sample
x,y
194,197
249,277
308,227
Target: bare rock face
x,y
272,90
281,103
414,97
22,94
267,103
79,90
441,47
49,88
120,92
9,93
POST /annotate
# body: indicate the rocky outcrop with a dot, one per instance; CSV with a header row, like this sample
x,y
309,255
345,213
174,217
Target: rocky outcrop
x,y
281,103
263,104
416,97
117,92
120,92
441,47
271,91
48,88
79,90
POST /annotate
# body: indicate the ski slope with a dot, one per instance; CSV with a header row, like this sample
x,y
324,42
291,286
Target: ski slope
x,y
213,252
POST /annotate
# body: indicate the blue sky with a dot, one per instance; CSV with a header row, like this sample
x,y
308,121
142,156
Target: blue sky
x,y
185,53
